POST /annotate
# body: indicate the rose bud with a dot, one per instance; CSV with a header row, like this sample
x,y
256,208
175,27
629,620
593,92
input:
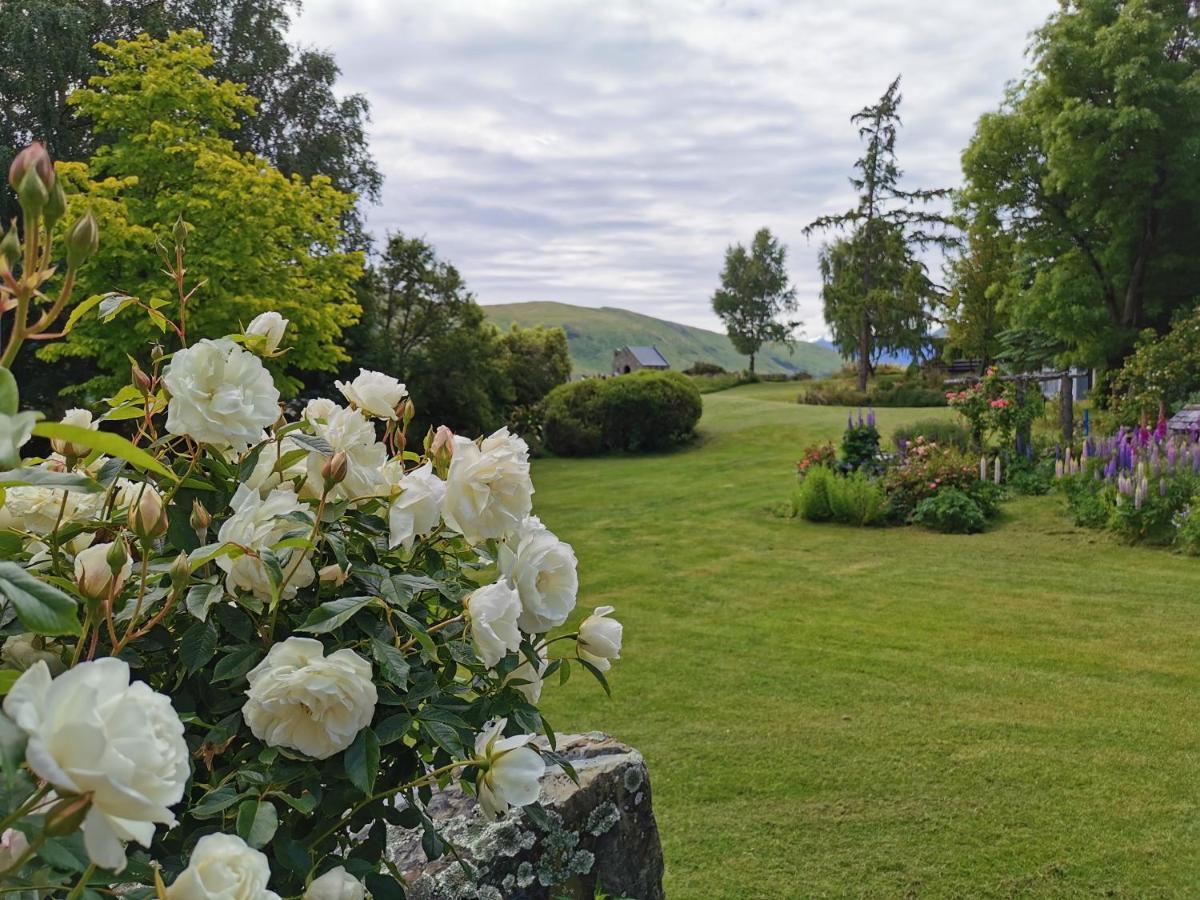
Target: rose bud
x,y
147,516
333,574
94,573
66,816
83,239
334,470
33,158
200,519
68,450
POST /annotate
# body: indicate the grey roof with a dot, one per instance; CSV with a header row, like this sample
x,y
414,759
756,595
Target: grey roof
x,y
1187,419
648,356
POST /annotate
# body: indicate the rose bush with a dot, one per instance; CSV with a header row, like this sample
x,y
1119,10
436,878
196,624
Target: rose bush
x,y
236,647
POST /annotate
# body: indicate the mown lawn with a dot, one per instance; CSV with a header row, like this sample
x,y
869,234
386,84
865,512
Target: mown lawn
x,y
829,711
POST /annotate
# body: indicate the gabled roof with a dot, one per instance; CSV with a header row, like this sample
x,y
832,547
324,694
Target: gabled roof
x,y
648,356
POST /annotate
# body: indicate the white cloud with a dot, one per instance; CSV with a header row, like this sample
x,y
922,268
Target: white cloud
x,y
606,153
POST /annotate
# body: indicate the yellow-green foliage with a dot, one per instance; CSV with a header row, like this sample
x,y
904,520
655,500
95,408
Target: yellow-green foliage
x,y
262,240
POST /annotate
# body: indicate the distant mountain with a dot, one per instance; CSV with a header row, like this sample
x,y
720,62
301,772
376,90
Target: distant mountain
x,y
903,358
593,335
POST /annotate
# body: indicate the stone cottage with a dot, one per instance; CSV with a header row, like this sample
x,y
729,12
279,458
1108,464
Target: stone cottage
x,y
630,359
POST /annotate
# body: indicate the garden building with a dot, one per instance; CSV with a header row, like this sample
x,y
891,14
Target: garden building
x,y
630,359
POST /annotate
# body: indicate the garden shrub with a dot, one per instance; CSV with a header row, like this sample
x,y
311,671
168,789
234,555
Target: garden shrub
x,y
816,455
860,447
950,511
943,432
813,499
638,412
924,470
1088,501
1187,528
701,367
856,499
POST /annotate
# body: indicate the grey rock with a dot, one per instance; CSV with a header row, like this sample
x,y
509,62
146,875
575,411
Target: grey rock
x,y
597,835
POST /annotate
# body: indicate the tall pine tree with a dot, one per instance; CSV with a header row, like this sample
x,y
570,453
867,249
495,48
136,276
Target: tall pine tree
x,y
872,278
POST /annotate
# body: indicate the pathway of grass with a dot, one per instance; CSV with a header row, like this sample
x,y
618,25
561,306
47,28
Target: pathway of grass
x,y
886,712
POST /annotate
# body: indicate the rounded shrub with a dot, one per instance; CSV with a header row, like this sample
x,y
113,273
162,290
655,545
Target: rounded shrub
x,y
813,499
950,511
638,412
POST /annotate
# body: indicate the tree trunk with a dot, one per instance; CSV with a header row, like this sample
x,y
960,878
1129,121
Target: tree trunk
x,y
751,363
1066,408
864,355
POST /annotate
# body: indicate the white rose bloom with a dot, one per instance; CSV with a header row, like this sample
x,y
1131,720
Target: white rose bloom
x,y
417,509
20,653
374,393
80,418
336,884
488,488
270,326
509,771
492,612
36,509
352,433
543,569
600,639
90,730
13,845
264,478
221,394
318,409
302,699
223,867
532,678
258,522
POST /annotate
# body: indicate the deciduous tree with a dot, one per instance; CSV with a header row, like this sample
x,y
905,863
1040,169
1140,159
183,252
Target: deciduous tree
x,y
754,293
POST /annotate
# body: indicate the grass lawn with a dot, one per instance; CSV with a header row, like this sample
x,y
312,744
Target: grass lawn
x,y
830,711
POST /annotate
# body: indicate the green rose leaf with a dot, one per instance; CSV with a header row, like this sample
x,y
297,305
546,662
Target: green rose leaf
x,y
104,441
42,608
33,475
362,761
391,663
333,614
9,396
257,821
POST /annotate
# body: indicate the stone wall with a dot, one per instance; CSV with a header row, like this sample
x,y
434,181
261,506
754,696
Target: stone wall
x,y
598,835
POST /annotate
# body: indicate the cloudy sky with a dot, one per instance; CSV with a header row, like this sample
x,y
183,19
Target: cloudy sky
x,y
605,152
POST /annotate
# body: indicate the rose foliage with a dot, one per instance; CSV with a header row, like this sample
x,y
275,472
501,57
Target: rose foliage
x,y
236,647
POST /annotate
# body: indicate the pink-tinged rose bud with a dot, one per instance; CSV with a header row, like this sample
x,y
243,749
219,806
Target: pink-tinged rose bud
x,y
94,573
441,448
147,515
141,380
66,816
33,158
200,519
82,419
334,470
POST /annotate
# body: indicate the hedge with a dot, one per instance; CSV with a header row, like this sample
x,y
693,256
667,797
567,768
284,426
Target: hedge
x,y
637,412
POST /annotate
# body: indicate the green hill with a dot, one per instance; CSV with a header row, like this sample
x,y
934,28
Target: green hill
x,y
594,334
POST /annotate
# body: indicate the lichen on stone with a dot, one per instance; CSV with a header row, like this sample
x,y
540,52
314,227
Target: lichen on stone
x,y
603,818
581,862
525,874
633,778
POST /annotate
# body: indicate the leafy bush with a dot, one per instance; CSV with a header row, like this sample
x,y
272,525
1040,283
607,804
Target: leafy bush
x,y
892,392
944,433
823,455
1029,477
856,499
1089,501
273,638
710,384
860,447
924,470
833,395
813,500
906,394
950,511
997,410
1163,371
1187,528
638,412
701,367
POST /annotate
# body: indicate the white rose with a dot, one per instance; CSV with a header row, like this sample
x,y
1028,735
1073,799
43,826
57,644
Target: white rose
x,y
36,509
543,569
13,845
528,680
600,639
269,326
374,393
257,523
336,884
302,699
220,394
91,731
417,509
80,418
15,430
509,771
352,433
23,650
318,409
264,478
94,575
333,574
488,488
492,612
223,867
